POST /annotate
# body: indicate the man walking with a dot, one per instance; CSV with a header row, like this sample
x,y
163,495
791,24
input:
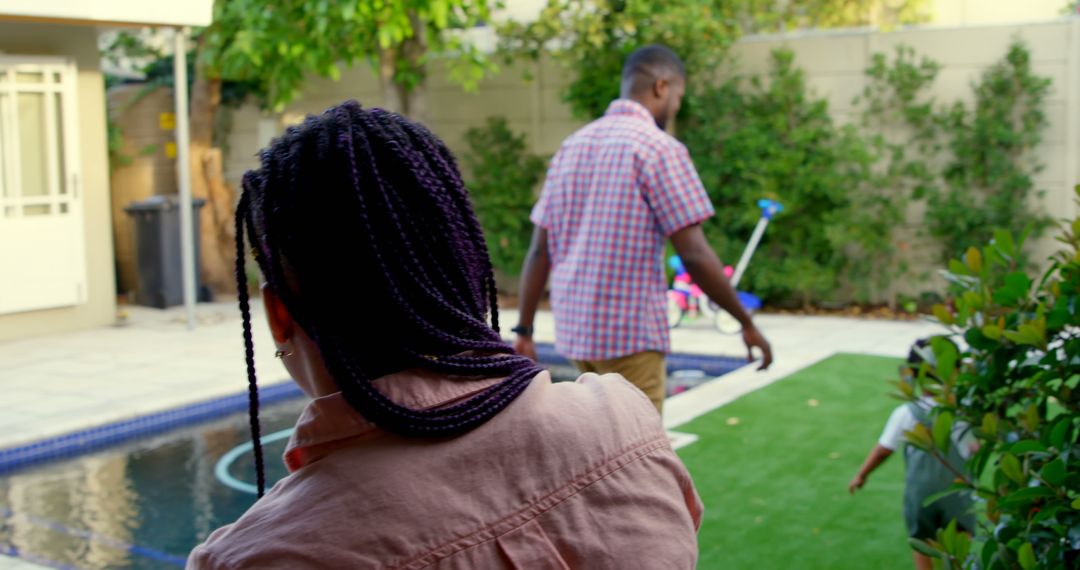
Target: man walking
x,y
614,192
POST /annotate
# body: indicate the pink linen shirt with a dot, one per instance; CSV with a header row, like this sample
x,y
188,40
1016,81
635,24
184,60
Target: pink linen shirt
x,y
570,475
615,191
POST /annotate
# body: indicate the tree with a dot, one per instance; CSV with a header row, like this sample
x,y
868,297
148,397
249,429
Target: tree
x,y
271,47
276,45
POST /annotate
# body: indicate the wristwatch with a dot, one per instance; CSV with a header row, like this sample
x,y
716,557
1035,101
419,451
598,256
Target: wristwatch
x,y
522,331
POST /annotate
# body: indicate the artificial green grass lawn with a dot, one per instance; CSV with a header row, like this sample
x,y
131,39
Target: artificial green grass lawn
x,y
774,484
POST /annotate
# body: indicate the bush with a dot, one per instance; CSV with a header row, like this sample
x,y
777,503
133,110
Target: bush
x,y
846,189
772,139
503,179
1016,384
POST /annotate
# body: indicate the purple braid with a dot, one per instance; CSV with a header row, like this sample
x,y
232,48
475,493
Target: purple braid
x,y
362,226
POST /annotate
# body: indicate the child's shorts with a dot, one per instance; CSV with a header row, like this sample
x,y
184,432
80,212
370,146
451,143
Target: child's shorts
x,y
924,522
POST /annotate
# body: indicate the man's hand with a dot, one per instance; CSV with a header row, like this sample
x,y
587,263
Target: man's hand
x,y
753,338
525,346
856,483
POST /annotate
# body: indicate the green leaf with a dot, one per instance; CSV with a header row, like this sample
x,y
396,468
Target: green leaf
x,y
1026,556
977,340
946,354
1010,465
958,268
947,538
1004,242
924,548
920,437
1076,504
990,425
952,490
1054,473
961,547
1027,446
943,315
1026,495
943,425
988,552
991,332
973,259
1045,514
1016,287
1059,433
1031,418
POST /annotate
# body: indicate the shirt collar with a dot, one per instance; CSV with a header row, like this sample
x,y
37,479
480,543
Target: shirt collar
x,y
631,108
329,421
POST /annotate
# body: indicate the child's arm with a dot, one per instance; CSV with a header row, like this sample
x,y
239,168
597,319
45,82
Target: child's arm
x,y
877,456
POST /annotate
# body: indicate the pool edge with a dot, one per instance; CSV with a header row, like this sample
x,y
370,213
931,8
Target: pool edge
x,y
82,441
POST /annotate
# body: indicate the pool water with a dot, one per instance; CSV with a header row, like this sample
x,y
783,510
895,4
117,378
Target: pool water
x,y
141,505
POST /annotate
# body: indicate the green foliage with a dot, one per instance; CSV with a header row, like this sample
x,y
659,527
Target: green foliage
x,y
1016,385
593,37
769,138
503,182
990,179
276,45
777,16
848,189
117,157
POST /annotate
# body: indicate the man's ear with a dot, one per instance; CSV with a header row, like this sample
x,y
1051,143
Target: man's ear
x,y
282,325
660,88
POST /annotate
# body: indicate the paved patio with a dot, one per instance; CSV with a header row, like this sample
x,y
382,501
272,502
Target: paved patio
x,y
58,384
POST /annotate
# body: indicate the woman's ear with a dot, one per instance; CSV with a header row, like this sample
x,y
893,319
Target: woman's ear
x,y
282,325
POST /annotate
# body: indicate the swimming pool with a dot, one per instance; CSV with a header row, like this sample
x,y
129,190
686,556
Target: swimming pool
x,y
147,502
140,505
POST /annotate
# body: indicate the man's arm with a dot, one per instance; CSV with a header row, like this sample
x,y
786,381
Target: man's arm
x,y
874,459
534,276
708,273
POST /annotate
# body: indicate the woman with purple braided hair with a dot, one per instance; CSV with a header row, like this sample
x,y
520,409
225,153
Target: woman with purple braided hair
x,y
428,442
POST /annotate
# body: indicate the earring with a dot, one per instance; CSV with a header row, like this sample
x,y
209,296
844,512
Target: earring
x,y
282,354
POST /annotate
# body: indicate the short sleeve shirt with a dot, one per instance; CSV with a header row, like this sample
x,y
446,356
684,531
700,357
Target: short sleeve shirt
x,y
615,191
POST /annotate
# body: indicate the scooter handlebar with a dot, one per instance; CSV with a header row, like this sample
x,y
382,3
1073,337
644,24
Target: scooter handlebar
x,y
769,208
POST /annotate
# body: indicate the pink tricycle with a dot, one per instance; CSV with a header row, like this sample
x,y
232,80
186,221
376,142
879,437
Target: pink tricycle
x,y
687,301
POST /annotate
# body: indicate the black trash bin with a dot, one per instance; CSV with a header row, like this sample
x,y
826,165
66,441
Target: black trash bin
x,y
157,251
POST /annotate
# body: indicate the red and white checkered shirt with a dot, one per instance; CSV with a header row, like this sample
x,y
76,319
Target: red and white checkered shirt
x,y
614,192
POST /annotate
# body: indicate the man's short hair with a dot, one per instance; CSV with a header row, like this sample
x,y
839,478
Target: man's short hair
x,y
653,62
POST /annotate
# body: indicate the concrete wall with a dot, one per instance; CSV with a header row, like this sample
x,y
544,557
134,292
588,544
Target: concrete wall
x,y
79,44
531,107
969,12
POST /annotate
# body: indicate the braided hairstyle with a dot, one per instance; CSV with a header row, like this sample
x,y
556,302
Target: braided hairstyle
x,y
361,224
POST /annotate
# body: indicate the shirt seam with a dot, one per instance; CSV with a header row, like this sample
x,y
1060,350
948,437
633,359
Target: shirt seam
x,y
532,511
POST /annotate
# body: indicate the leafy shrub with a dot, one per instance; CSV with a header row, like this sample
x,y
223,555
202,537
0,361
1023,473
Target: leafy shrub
x,y
1016,383
770,138
503,179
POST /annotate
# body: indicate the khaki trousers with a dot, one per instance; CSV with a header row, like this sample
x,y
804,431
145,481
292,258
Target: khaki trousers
x,y
646,370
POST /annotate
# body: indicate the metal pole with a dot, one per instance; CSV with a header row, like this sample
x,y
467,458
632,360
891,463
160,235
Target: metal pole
x,y
747,253
183,172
